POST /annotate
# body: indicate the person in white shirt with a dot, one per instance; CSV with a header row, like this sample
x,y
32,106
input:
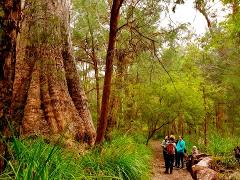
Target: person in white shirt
x,y
164,145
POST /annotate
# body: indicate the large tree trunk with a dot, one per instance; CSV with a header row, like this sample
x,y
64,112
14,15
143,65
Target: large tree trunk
x,y
47,96
9,24
9,21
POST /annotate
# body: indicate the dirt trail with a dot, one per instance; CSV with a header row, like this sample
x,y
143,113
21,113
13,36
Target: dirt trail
x,y
158,166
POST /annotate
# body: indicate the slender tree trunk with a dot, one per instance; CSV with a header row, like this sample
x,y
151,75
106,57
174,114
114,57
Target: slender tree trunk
x,y
95,67
174,128
97,88
116,96
219,116
233,121
206,116
102,123
182,123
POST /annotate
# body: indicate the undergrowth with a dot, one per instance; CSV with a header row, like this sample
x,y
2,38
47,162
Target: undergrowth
x,y
123,158
219,146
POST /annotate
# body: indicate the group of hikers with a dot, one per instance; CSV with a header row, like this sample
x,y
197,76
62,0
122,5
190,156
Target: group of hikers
x,y
174,151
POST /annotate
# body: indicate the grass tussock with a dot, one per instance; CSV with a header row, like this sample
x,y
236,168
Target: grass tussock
x,y
123,158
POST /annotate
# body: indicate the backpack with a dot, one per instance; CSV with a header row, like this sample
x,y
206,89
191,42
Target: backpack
x,y
170,149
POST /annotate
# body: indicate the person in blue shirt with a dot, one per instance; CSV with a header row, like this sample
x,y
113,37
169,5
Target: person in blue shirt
x,y
180,152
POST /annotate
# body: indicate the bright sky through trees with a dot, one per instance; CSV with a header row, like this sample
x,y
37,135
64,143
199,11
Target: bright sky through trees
x,y
187,13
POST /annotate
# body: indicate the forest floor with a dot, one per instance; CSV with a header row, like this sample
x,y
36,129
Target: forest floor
x,y
158,166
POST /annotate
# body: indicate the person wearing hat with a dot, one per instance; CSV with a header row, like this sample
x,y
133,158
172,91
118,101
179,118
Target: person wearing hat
x,y
194,151
164,146
172,137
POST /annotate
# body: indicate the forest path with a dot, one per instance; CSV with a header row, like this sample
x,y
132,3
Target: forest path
x,y
158,166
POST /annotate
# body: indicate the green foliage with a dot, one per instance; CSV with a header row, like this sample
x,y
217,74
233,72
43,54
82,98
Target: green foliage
x,y
199,75
222,145
123,158
159,98
218,145
90,28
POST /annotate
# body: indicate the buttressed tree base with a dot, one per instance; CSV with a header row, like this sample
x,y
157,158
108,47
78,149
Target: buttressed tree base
x,y
47,98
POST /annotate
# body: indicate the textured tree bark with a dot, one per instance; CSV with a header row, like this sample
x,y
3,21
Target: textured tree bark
x,y
47,97
102,122
112,116
9,21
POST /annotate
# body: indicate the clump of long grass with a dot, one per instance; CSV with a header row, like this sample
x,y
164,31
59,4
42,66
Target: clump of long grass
x,y
35,159
123,158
